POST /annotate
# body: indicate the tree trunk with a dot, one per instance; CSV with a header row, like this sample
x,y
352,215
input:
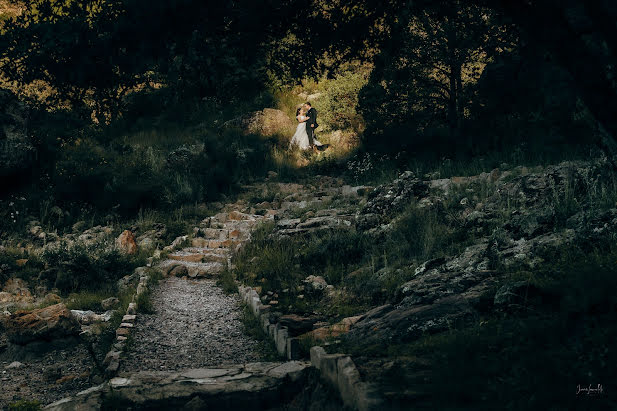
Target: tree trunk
x,y
459,97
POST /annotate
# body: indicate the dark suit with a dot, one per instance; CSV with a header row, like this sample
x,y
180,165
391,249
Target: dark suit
x,y
311,124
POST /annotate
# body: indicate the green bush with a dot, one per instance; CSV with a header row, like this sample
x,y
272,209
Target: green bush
x,y
144,303
267,261
421,234
9,267
338,108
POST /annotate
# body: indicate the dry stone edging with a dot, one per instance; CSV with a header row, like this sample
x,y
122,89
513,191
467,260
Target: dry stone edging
x,y
113,356
338,370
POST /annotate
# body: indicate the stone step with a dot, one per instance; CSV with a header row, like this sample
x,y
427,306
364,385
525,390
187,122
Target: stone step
x,y
192,269
198,257
205,250
224,244
214,233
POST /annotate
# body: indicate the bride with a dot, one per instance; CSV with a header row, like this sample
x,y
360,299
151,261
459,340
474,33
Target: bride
x,y
300,139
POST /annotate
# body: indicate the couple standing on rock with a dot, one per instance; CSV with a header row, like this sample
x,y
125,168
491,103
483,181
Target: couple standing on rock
x,y
304,138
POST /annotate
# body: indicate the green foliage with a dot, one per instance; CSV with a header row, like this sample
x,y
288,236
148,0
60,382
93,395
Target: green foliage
x,y
421,234
333,255
10,268
227,282
338,109
144,303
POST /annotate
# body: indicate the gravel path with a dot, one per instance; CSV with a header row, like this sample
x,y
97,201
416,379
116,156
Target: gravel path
x,y
195,325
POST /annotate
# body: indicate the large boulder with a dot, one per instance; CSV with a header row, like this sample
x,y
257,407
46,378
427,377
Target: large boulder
x,y
126,242
267,122
45,324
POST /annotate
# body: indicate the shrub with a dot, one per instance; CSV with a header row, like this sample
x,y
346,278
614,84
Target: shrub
x,y
144,303
89,268
338,107
227,282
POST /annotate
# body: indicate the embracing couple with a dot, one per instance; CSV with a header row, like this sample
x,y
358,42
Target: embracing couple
x,y
305,132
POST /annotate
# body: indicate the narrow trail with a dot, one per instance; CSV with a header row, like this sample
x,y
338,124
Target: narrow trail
x,y
195,324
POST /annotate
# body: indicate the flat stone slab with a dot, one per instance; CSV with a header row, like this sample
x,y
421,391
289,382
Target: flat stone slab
x,y
247,386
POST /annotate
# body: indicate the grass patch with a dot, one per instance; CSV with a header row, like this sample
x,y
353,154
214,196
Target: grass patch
x,y
86,300
144,303
24,405
227,282
81,267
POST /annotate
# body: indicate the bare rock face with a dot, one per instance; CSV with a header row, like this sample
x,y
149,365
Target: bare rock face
x,y
126,242
388,324
47,324
267,122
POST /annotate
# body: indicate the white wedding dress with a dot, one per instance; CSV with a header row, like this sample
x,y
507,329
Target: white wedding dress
x,y
300,138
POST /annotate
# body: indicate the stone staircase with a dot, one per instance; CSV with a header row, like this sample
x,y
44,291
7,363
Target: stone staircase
x,y
214,241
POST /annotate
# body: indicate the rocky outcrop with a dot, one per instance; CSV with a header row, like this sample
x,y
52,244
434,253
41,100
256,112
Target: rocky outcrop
x,y
45,324
267,122
387,324
447,290
388,199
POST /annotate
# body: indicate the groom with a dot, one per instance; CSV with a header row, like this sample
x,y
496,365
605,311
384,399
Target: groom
x,y
311,123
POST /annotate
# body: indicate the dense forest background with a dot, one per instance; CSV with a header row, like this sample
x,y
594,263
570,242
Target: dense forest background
x,y
107,89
